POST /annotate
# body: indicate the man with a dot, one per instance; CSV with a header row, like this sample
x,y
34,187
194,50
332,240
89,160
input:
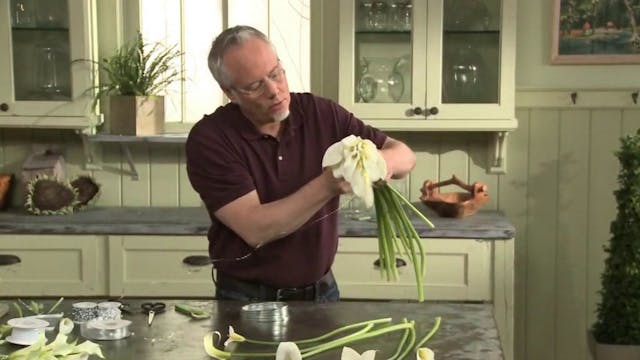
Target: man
x,y
256,163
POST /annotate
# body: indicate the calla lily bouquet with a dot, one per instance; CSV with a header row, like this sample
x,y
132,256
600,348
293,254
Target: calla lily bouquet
x,y
58,349
340,337
360,163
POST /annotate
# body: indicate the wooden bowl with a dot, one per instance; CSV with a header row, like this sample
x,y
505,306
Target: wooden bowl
x,y
454,204
6,182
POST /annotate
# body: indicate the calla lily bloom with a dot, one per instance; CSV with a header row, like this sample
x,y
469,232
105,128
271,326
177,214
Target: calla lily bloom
x,y
213,351
233,337
359,162
350,354
288,351
425,353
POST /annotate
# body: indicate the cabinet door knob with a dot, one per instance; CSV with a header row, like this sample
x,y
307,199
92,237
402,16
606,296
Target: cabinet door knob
x,y
433,110
399,263
6,259
417,110
4,107
197,260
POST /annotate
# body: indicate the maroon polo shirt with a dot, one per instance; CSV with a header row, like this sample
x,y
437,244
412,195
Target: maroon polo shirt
x,y
227,157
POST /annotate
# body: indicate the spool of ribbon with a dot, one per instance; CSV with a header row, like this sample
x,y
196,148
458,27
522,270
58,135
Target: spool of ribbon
x,y
26,331
98,329
84,311
109,310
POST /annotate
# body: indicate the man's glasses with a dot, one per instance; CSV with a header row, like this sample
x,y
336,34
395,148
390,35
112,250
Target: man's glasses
x,y
258,88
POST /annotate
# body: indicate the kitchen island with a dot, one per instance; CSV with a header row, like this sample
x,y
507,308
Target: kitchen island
x,y
145,252
467,331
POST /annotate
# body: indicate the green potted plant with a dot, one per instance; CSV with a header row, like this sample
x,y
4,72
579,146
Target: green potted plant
x,y
137,73
617,329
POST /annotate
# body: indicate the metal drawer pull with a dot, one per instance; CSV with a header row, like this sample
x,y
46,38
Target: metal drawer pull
x,y
197,260
6,260
4,107
399,263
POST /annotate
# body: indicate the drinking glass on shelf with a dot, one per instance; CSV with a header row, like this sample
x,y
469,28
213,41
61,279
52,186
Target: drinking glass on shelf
x,y
47,71
53,14
364,16
379,15
400,15
405,14
23,13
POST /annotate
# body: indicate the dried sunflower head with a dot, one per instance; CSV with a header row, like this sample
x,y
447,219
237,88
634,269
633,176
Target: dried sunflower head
x,y
48,196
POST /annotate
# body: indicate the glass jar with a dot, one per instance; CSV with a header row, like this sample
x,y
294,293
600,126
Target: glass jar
x,y
463,76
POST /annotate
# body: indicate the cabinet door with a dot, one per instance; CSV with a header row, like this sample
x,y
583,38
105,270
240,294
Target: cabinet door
x,y
429,64
53,265
43,44
456,269
381,56
472,59
154,266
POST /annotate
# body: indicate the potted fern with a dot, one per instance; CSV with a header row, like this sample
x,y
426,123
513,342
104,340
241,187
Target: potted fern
x,y
617,329
137,74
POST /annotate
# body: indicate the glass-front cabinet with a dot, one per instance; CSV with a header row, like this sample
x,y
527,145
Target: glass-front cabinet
x,y
45,46
429,64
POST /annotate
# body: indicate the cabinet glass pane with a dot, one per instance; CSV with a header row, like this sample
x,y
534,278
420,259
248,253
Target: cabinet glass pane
x,y
471,51
383,44
41,52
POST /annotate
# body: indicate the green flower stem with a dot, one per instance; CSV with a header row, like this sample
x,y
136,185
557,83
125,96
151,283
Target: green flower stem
x,y
434,329
404,226
412,340
324,336
387,257
349,339
402,341
410,205
55,305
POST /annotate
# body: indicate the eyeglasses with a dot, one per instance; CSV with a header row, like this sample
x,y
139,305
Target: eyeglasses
x,y
257,88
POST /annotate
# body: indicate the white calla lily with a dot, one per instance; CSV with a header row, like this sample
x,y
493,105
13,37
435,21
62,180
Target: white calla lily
x,y
233,337
425,353
288,350
359,162
350,354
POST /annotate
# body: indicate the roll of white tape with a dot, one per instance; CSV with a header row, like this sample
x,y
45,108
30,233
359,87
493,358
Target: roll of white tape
x,y
26,331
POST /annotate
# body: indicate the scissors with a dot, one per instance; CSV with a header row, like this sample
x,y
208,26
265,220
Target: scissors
x,y
151,309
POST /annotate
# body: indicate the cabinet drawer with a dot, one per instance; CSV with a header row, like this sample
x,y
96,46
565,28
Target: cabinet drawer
x,y
153,266
53,265
456,269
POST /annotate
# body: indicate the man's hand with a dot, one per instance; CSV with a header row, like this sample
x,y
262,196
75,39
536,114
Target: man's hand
x,y
338,185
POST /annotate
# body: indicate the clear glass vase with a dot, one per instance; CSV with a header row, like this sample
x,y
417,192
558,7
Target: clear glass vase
x,y
463,76
380,80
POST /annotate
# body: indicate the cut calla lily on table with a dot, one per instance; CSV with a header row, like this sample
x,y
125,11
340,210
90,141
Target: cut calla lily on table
x,y
360,163
59,348
307,348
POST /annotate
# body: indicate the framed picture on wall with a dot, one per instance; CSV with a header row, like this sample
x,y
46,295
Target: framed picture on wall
x,y
596,32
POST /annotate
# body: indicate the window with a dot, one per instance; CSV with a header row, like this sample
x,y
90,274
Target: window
x,y
192,25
